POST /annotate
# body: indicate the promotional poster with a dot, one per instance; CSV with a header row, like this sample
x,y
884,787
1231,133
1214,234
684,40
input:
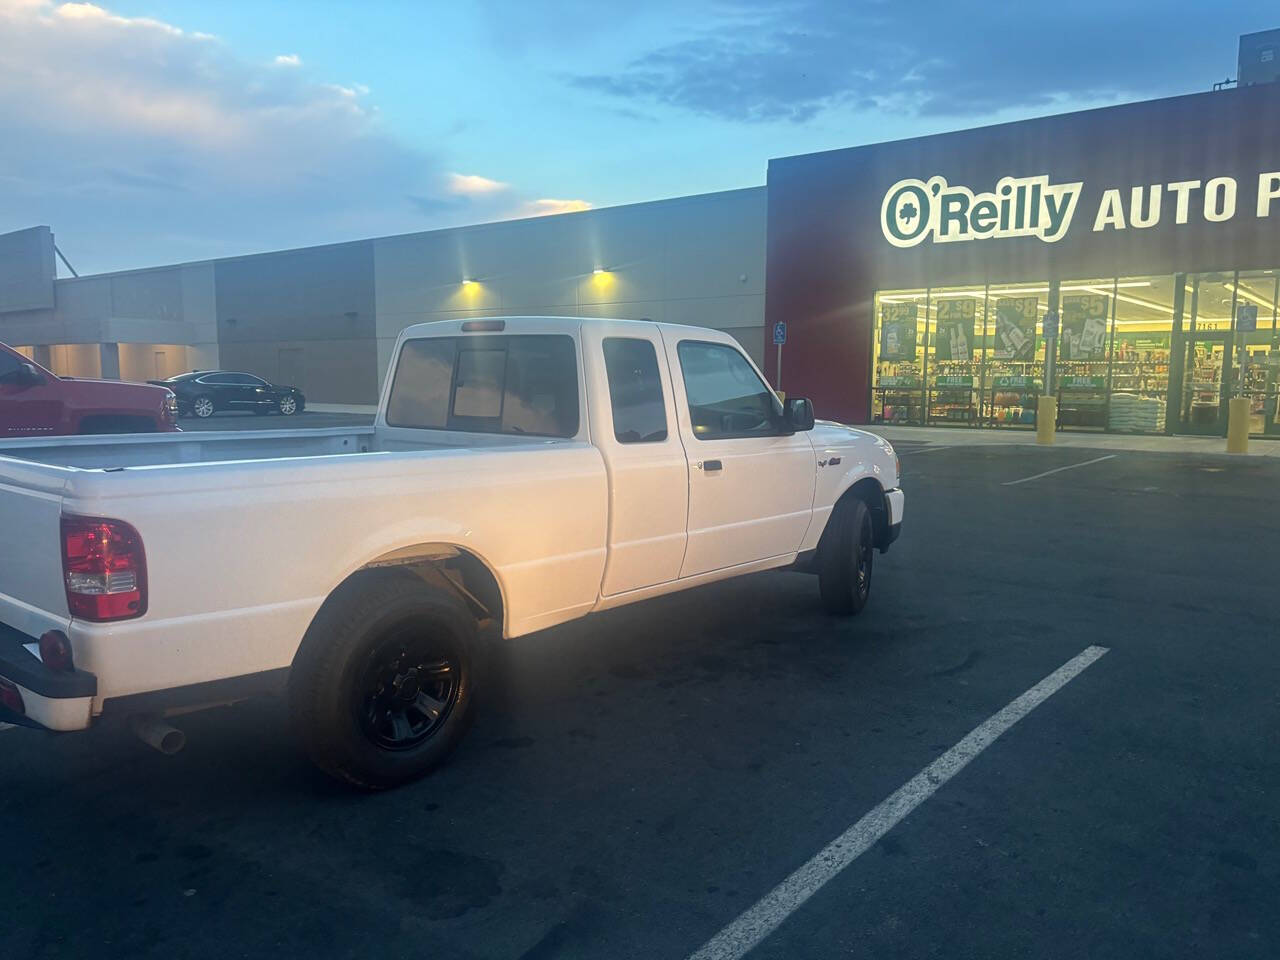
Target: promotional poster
x,y
1016,328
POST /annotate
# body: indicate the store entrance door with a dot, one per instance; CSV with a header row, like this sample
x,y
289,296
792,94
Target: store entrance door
x,y
1206,382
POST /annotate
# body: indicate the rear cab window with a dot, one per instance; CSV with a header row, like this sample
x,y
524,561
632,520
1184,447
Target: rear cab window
x,y
524,385
635,390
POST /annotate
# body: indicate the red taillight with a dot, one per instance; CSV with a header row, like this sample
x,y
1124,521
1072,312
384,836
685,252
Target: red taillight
x,y
105,569
11,697
55,651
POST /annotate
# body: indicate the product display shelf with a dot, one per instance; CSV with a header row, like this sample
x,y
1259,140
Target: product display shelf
x,y
1082,395
1013,394
953,398
900,405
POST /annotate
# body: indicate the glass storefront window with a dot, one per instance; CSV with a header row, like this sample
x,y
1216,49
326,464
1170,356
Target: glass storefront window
x,y
1258,349
898,356
1135,354
1014,376
957,354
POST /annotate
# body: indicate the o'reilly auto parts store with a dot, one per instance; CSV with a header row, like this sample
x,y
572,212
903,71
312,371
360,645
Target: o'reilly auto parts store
x,y
915,277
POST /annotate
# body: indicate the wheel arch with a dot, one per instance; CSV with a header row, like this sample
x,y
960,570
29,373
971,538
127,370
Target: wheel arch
x,y
869,491
437,563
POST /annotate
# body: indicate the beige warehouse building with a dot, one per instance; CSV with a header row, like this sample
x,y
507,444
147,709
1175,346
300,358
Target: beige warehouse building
x,y
325,318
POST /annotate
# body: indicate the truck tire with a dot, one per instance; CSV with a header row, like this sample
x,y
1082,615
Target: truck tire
x,y
382,686
845,558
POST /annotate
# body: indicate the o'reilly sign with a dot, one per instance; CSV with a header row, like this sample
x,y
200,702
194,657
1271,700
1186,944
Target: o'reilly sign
x,y
917,210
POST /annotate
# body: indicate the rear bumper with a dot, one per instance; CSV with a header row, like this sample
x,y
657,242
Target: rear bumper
x,y
51,699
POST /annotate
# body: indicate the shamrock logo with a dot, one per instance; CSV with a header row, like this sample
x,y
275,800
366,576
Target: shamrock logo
x,y
907,212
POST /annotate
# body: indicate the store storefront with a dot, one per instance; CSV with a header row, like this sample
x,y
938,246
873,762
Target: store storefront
x,y
1131,253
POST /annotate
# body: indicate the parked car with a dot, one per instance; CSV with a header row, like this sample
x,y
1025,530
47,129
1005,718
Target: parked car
x,y
36,403
520,473
202,393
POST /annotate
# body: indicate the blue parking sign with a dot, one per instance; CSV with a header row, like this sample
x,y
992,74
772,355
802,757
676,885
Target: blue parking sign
x,y
1247,318
780,333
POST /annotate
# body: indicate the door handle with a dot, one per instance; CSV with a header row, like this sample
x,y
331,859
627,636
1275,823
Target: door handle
x,y
712,465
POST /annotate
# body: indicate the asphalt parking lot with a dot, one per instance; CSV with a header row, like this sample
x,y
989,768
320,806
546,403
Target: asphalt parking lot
x,y
638,781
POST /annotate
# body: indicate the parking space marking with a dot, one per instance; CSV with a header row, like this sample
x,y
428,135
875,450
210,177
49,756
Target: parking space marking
x,y
1070,466
739,937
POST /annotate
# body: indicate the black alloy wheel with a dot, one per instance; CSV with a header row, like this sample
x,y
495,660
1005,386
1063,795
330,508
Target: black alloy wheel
x,y
407,690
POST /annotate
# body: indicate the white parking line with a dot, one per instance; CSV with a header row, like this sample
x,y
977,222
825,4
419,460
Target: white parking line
x,y
735,940
1070,466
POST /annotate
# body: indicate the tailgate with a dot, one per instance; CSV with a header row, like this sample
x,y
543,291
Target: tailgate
x,y
32,598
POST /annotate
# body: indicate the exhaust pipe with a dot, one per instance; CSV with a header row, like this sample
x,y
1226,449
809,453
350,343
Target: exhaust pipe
x,y
156,733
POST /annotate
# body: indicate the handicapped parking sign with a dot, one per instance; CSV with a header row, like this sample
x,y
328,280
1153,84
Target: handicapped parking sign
x,y
780,333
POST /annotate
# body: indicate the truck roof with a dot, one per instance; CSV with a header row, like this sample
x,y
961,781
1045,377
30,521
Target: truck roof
x,y
569,325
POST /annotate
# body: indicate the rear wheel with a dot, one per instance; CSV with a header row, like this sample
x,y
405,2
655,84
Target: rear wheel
x,y
846,559
202,407
381,689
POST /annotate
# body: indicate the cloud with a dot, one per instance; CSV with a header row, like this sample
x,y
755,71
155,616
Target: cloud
x,y
287,60
547,206
470,184
142,143
789,60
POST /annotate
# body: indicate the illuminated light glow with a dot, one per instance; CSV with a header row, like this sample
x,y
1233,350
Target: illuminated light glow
x,y
468,282
1007,291
599,270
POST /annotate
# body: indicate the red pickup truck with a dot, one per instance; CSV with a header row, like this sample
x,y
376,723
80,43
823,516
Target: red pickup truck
x,y
35,403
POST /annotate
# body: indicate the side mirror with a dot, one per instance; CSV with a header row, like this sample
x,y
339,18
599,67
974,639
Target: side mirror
x,y
797,413
30,376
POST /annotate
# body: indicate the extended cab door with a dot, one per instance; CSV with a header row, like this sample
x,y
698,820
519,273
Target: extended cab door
x,y
633,425
751,482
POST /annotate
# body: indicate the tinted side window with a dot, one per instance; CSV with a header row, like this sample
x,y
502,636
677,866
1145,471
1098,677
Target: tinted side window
x,y
9,365
635,390
218,379
424,377
499,384
541,395
726,396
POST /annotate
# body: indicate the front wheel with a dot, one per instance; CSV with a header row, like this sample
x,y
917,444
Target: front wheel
x,y
846,559
288,406
381,689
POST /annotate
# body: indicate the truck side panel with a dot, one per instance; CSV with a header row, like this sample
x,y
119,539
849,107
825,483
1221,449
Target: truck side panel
x,y
241,555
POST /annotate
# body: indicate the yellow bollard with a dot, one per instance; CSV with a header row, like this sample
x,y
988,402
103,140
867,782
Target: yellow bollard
x,y
1238,425
1046,420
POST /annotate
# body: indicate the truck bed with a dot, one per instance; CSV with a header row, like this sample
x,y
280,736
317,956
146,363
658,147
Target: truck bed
x,y
147,449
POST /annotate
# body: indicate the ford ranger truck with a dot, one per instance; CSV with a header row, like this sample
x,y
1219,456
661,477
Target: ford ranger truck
x,y
521,472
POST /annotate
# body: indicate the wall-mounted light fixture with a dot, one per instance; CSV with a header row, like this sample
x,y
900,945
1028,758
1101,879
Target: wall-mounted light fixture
x,y
599,270
467,282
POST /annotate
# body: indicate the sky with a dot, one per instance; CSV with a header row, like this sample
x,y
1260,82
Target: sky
x,y
147,132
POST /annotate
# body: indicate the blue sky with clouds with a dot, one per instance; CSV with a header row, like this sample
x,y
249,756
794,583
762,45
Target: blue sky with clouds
x,y
151,131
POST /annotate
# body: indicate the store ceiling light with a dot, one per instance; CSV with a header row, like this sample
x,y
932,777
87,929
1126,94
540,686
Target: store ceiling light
x,y
1006,291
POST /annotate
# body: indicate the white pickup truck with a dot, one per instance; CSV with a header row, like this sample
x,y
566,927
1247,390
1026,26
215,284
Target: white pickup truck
x,y
520,472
